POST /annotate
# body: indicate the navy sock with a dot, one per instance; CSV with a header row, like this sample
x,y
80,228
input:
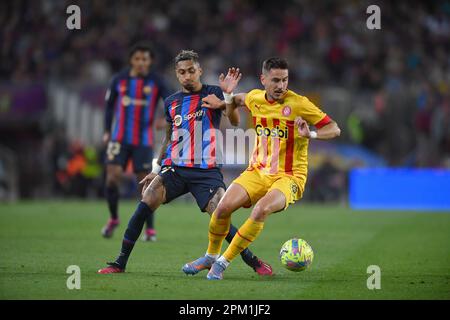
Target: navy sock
x,y
112,197
248,256
150,221
132,233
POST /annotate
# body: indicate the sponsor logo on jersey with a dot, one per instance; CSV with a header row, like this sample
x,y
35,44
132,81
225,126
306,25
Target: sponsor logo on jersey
x,y
271,132
126,101
178,119
194,115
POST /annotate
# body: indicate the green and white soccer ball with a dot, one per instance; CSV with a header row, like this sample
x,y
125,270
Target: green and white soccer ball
x,y
296,255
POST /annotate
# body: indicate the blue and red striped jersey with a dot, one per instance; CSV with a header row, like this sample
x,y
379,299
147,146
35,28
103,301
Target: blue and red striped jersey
x,y
130,107
194,142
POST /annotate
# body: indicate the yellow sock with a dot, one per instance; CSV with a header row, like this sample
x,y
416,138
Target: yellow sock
x,y
218,230
246,234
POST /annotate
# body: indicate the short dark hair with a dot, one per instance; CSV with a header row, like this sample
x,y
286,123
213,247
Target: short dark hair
x,y
184,55
274,63
141,46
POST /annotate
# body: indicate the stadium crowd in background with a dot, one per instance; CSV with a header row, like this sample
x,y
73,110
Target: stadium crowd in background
x,y
400,74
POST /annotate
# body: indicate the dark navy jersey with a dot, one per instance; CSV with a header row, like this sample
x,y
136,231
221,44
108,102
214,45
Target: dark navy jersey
x,y
130,107
195,142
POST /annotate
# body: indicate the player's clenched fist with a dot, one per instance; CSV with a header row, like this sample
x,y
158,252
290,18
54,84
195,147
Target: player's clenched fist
x,y
303,128
212,102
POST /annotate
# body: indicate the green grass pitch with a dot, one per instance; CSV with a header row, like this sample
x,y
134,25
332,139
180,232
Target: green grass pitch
x,y
39,240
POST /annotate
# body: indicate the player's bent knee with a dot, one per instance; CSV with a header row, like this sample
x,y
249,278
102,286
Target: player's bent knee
x,y
112,181
223,210
261,212
152,201
113,178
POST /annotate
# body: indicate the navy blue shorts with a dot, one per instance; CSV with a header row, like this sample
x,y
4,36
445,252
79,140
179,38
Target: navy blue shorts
x,y
201,183
119,154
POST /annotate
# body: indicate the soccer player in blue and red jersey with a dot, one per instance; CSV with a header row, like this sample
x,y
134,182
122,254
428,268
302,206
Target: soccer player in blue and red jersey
x,y
189,159
131,103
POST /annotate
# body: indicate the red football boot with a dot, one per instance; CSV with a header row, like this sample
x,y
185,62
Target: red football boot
x,y
112,268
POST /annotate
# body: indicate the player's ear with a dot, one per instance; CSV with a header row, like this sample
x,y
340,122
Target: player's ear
x,y
200,70
262,77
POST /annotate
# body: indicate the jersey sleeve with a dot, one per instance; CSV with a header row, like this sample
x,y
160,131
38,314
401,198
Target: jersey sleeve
x,y
166,111
110,100
312,114
249,100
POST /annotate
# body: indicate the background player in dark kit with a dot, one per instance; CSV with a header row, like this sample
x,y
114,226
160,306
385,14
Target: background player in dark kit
x,y
131,102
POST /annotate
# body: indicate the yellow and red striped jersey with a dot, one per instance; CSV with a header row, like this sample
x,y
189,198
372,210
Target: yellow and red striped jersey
x,y
278,146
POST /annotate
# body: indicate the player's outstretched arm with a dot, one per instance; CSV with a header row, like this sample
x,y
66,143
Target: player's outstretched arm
x,y
238,101
212,102
329,131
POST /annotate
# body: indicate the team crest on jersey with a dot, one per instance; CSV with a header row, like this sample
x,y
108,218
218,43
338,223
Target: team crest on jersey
x,y
177,120
287,111
294,188
122,88
147,89
126,101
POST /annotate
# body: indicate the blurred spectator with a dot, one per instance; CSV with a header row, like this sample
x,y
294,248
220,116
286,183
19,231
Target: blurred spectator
x,y
328,183
413,40
398,77
79,172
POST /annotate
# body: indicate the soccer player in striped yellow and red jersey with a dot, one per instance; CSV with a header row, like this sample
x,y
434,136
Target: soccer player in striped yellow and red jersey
x,y
131,103
277,171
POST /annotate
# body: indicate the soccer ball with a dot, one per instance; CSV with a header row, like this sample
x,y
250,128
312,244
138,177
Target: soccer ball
x,y
296,255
